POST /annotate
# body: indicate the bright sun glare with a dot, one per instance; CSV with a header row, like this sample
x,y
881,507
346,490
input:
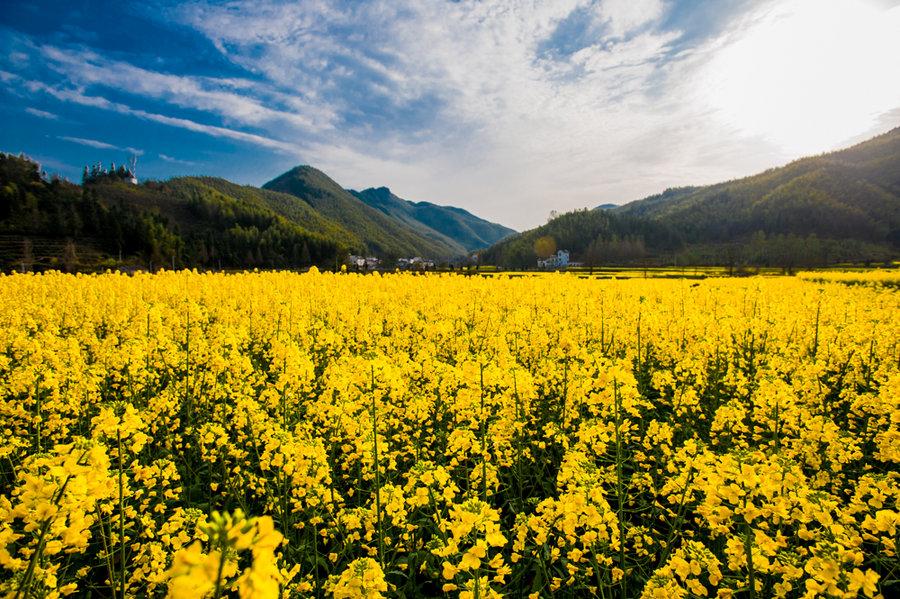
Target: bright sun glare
x,y
810,74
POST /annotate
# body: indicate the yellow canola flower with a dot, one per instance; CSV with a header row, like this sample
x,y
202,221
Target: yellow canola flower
x,y
195,573
362,579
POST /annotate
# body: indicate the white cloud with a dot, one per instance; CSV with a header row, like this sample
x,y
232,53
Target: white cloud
x,y
91,143
42,114
624,16
171,160
75,96
85,68
100,145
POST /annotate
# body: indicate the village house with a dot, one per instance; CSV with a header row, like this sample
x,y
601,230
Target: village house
x,y
363,262
415,263
558,260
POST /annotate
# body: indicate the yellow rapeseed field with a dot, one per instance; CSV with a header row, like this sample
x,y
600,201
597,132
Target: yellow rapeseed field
x,y
282,435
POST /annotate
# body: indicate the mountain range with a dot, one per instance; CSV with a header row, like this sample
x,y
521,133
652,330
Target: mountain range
x,y
840,206
300,218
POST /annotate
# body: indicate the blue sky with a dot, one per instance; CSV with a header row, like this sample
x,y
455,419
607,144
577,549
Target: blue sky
x,y
508,108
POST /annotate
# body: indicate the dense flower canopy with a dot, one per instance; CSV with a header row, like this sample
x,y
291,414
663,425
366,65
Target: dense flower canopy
x,y
275,434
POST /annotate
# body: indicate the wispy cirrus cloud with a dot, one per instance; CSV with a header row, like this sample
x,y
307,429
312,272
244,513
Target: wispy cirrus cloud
x,y
85,68
42,114
91,143
172,160
79,97
100,145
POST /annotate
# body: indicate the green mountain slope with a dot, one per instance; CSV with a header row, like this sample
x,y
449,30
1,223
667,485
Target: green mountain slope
x,y
381,233
222,223
849,194
842,206
290,207
455,225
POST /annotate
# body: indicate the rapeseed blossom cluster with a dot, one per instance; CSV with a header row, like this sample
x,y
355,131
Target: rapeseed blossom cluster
x,y
262,435
199,571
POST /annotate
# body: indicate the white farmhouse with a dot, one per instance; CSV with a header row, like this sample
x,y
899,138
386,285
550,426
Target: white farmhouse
x,y
559,260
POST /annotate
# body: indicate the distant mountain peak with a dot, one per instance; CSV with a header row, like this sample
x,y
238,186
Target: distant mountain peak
x,y
378,217
457,225
300,169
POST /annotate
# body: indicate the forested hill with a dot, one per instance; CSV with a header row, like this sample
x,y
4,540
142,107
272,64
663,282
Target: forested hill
x,y
381,233
841,206
203,222
183,222
456,225
849,194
